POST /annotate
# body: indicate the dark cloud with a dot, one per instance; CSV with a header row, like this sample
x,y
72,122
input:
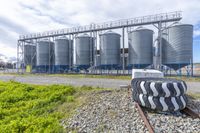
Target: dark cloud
x,y
7,38
63,20
12,26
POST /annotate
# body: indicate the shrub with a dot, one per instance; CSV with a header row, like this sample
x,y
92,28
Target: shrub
x,y
31,108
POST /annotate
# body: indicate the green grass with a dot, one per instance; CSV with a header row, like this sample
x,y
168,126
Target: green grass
x,y
93,76
123,77
188,79
38,108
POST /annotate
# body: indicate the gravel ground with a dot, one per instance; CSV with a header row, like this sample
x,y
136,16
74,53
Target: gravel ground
x,y
77,81
113,112
194,105
177,122
106,112
169,123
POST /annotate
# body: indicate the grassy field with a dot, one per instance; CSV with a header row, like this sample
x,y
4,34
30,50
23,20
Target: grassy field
x,y
123,77
194,95
126,77
189,79
36,108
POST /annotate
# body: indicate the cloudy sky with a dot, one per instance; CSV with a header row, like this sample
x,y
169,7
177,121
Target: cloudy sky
x,y
26,16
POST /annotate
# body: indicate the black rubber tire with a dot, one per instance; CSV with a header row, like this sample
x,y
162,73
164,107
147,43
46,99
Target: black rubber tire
x,y
159,87
166,104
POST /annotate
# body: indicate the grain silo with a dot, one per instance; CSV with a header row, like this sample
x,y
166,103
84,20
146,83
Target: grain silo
x,y
110,50
62,54
84,46
177,46
44,56
140,43
30,55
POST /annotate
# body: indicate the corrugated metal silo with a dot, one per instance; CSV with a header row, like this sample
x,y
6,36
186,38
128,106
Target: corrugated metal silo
x,y
177,46
30,55
44,55
84,50
110,50
62,54
140,48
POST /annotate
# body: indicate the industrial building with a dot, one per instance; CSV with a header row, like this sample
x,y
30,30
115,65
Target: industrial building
x,y
97,48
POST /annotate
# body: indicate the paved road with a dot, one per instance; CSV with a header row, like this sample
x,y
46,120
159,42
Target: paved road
x,y
78,81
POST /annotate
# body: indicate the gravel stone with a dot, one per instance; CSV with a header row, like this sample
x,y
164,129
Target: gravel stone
x,y
114,112
107,112
176,122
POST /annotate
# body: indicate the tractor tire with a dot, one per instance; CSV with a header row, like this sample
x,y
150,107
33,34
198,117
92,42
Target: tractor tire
x,y
166,104
159,87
